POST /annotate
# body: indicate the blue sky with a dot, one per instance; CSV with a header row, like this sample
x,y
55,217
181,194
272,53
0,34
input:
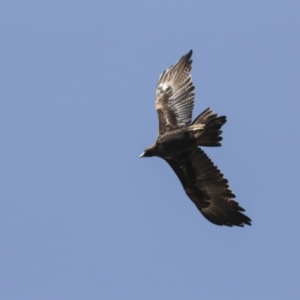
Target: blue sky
x,y
82,217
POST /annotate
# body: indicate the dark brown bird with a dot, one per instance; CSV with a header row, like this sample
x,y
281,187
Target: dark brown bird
x,y
178,144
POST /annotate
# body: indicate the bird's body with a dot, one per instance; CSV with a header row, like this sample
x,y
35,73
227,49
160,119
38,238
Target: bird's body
x,y
178,144
174,142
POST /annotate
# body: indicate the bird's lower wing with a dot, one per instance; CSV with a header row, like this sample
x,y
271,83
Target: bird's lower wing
x,y
208,188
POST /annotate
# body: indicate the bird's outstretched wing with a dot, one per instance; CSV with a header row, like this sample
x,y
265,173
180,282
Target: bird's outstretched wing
x,y
207,188
174,95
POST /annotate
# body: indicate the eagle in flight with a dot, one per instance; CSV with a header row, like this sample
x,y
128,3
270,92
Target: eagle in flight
x,y
178,144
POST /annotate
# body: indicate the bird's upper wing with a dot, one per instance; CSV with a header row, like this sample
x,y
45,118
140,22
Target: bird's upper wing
x,y
174,95
207,188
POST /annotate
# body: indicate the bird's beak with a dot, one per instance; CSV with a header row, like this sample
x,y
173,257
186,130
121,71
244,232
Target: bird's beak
x,y
142,154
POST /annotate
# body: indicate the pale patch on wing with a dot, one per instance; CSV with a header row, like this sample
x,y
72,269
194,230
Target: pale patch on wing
x,y
174,95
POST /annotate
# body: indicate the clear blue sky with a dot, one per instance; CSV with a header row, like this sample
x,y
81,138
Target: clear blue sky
x,y
82,217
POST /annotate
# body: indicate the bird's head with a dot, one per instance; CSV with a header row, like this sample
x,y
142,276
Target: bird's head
x,y
149,152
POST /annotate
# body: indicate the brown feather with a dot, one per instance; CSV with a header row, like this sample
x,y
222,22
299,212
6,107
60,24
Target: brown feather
x,y
174,95
207,188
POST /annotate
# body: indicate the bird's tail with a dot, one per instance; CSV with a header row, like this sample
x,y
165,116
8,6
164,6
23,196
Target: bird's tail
x,y
211,125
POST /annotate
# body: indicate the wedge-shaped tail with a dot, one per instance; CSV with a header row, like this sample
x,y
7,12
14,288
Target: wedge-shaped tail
x,y
210,125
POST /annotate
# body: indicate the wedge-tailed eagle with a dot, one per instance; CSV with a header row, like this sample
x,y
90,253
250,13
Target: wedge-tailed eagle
x,y
178,144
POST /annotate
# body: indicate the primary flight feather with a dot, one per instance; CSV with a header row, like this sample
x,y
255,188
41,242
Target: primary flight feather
x,y
178,144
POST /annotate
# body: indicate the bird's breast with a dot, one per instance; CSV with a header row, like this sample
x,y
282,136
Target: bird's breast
x,y
175,142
